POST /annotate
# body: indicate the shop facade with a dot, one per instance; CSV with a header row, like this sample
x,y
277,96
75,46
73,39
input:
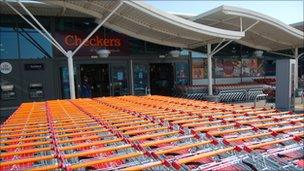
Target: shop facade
x,y
39,71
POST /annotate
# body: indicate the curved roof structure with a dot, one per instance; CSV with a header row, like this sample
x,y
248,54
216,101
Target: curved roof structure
x,y
142,21
268,33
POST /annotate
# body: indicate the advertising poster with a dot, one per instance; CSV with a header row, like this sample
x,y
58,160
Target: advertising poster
x,y
140,77
219,69
252,68
199,69
181,73
225,68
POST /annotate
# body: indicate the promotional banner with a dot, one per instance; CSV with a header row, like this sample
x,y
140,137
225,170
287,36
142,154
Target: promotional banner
x,y
181,70
225,68
116,43
252,68
199,69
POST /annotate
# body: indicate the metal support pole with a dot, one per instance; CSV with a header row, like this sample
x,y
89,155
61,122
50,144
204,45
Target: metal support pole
x,y
96,28
220,48
31,24
71,74
251,26
131,77
41,26
218,45
241,24
209,70
296,78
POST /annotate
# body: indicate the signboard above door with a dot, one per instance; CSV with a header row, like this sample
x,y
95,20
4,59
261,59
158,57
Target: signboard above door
x,y
116,43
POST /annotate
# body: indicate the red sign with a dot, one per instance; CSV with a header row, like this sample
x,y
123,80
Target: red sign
x,y
116,43
73,40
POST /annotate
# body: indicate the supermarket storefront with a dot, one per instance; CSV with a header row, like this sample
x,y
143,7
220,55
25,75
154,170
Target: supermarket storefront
x,y
43,74
35,70
39,71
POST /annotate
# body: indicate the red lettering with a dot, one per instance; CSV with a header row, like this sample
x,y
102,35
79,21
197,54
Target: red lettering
x,y
86,43
111,42
99,42
117,42
106,42
69,40
78,40
75,40
92,42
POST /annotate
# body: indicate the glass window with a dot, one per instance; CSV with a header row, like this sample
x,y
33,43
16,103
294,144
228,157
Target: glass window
x,y
185,53
119,80
140,78
8,43
45,21
64,24
199,69
252,67
65,84
34,45
227,67
155,48
65,89
270,67
85,25
136,46
195,54
182,73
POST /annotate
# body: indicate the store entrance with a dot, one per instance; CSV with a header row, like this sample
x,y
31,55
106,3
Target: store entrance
x,y
161,78
94,80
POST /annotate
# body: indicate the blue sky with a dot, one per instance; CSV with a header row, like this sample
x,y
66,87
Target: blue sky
x,y
287,11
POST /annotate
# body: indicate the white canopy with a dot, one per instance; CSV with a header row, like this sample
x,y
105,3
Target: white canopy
x,y
142,21
267,34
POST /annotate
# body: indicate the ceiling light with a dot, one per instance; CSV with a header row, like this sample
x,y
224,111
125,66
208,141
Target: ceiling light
x,y
175,53
103,53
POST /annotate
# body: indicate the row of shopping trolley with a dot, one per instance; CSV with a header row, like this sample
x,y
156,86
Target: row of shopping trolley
x,y
239,95
225,93
150,133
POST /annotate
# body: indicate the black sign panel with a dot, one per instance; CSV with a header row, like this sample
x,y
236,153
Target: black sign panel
x,y
35,67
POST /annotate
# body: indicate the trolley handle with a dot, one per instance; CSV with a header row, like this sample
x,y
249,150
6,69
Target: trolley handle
x,y
256,98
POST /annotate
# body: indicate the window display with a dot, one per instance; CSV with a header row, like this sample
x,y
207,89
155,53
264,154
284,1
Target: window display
x,y
199,69
225,68
252,68
182,73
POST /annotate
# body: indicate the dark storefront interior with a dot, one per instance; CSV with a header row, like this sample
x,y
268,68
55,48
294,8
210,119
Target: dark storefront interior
x,y
161,79
94,80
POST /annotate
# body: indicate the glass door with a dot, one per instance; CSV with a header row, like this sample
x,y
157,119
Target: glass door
x,y
64,82
119,76
141,79
161,78
94,80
